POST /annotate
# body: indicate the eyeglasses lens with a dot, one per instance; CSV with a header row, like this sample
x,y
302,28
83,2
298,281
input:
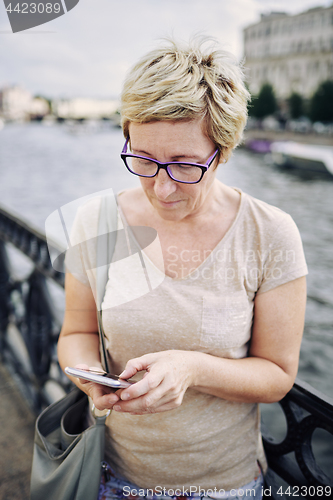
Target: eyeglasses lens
x,y
179,172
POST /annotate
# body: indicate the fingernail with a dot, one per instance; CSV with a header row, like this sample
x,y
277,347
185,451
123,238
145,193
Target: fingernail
x,y
125,395
117,408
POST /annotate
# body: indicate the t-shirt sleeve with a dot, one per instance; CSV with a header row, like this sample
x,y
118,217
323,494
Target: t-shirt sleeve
x,y
284,260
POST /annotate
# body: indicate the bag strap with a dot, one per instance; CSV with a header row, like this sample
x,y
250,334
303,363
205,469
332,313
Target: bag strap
x,y
106,241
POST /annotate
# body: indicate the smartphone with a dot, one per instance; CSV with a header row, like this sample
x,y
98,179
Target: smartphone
x,y
99,377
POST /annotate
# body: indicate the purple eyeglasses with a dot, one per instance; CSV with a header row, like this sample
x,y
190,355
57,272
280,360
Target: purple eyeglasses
x,y
185,172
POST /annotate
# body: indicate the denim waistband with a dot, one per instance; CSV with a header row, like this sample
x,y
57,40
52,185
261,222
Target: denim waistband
x,y
114,488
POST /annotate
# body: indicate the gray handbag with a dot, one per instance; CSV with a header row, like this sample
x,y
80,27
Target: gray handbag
x,y
68,456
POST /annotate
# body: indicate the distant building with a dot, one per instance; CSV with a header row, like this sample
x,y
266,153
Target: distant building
x,y
80,108
293,53
14,103
38,108
17,104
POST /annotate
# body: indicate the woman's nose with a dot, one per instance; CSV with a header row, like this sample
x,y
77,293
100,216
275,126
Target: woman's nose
x,y
164,186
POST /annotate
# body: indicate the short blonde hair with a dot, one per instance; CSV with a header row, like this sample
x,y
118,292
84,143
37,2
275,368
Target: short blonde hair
x,y
184,83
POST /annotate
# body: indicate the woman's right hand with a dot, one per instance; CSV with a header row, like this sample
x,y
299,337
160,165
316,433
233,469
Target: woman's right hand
x,y
102,396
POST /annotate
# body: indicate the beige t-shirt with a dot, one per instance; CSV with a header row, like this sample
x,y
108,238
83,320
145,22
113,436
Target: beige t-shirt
x,y
208,441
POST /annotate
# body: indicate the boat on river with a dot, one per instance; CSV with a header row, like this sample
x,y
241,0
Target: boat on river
x,y
308,157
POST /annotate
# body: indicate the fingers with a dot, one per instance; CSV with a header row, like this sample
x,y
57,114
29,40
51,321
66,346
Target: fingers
x,y
149,400
146,405
102,396
146,384
136,365
162,387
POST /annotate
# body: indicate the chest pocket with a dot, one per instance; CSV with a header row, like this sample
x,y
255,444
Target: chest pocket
x,y
226,321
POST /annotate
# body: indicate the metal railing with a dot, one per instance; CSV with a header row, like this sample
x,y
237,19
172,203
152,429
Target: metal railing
x,y
29,329
29,323
305,410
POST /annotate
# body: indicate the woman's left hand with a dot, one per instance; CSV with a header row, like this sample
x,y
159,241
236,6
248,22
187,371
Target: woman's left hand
x,y
168,375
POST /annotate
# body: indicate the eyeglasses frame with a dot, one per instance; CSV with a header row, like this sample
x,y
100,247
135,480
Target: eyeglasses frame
x,y
161,165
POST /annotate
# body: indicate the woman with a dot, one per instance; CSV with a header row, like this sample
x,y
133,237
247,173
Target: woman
x,y
222,332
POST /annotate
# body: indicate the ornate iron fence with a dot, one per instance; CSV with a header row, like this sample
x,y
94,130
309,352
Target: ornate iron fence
x,y
29,329
29,323
292,459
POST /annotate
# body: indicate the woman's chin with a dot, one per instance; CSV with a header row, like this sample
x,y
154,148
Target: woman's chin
x,y
171,215
169,210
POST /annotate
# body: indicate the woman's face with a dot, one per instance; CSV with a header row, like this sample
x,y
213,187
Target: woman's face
x,y
174,141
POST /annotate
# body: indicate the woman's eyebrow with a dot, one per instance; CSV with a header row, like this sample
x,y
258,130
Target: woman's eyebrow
x,y
195,159
140,152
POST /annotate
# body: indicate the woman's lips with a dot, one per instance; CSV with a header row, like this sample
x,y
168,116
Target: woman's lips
x,y
168,203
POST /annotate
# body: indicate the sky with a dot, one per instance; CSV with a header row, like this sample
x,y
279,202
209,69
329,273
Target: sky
x,y
87,51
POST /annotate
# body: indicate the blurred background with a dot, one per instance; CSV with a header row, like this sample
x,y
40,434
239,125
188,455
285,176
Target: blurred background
x,y
60,137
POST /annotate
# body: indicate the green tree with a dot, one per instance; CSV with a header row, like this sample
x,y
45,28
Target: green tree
x,y
296,105
321,104
265,103
252,105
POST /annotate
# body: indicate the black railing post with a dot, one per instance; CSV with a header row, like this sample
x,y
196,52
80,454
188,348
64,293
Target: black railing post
x,y
4,293
38,325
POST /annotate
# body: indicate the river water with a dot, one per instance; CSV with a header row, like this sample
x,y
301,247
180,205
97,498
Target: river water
x,y
45,167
